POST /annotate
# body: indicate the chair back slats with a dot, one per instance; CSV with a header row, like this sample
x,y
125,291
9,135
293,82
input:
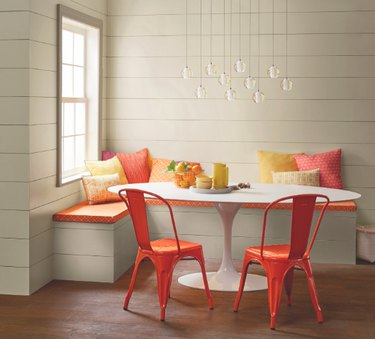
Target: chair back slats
x,y
137,209
302,215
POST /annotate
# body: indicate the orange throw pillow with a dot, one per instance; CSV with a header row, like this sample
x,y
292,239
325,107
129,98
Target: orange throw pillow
x,y
135,165
158,171
96,188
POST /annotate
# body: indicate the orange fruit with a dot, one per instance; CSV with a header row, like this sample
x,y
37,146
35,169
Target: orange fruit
x,y
197,169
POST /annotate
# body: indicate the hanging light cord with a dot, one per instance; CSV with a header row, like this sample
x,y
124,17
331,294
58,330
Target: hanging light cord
x,y
286,38
224,38
186,33
230,42
211,31
258,44
239,29
200,49
273,32
250,39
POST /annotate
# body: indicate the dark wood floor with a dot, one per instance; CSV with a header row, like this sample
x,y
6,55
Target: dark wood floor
x,y
65,309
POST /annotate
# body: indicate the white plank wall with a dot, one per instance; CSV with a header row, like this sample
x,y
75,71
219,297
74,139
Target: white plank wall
x,y
331,53
29,196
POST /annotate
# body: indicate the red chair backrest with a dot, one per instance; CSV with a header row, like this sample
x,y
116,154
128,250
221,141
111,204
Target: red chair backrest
x,y
303,206
135,201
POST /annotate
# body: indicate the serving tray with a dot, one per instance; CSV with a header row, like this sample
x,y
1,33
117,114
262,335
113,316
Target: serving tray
x,y
210,190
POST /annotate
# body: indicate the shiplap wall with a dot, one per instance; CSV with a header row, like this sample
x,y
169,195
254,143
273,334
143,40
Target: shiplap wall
x,y
29,196
331,58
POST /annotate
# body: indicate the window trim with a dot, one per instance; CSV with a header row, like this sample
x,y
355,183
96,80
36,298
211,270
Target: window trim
x,y
66,12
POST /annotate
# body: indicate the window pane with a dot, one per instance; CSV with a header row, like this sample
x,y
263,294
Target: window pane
x,y
67,47
68,119
68,153
80,119
78,82
80,151
67,81
79,49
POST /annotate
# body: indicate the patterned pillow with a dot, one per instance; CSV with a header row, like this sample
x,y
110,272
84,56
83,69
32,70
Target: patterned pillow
x,y
274,162
157,172
135,165
307,178
329,164
96,188
110,166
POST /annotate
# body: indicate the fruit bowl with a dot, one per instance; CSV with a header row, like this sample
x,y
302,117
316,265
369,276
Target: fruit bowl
x,y
184,173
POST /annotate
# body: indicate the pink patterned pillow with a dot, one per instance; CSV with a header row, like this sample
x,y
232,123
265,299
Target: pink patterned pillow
x,y
329,164
106,155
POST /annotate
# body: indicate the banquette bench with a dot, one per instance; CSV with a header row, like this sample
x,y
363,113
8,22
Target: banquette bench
x,y
96,242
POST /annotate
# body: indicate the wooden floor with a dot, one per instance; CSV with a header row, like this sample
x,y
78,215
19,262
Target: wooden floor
x,y
65,309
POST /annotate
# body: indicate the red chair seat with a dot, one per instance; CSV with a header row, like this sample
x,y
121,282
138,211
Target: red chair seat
x,y
271,252
169,246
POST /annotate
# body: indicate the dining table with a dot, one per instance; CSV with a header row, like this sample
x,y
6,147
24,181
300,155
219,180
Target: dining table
x,y
226,278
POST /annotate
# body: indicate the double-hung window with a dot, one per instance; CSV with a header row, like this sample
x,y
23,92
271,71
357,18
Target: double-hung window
x,y
79,93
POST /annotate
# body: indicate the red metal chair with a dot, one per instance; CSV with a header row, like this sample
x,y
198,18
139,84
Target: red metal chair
x,y
164,253
279,260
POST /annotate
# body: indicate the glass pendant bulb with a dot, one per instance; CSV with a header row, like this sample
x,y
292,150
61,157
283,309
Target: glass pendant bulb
x,y
186,72
224,79
239,66
249,82
230,94
273,72
211,69
200,92
258,97
286,84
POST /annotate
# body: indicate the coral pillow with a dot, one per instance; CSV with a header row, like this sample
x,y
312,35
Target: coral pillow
x,y
158,171
135,165
105,167
96,188
329,164
274,162
307,178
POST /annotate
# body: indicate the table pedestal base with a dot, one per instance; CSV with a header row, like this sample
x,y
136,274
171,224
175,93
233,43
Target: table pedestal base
x,y
224,281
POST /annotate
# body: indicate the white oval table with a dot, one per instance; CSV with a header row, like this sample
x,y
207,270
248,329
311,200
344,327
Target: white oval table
x,y
227,278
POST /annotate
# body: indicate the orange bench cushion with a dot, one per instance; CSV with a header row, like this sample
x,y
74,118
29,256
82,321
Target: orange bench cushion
x,y
107,213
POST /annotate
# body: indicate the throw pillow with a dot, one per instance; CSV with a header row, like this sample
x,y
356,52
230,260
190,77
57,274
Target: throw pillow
x,y
329,164
96,188
105,167
135,165
158,171
307,178
274,162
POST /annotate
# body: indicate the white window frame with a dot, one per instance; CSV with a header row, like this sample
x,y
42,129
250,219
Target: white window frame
x,y
93,101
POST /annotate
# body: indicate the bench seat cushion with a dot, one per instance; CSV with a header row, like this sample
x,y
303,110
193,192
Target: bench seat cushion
x,y
107,213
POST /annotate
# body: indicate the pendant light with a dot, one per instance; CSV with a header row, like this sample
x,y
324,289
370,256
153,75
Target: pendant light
x,y
250,81
258,96
239,65
224,79
211,67
230,94
186,71
273,71
200,92
286,84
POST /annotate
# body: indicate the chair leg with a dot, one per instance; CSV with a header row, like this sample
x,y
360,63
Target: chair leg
x,y
138,260
288,284
164,271
313,293
245,265
275,283
200,259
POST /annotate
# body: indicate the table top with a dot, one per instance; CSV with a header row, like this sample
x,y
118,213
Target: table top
x,y
258,193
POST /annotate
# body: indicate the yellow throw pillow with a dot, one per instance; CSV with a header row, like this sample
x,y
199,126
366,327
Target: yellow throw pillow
x,y
96,188
110,166
307,178
274,162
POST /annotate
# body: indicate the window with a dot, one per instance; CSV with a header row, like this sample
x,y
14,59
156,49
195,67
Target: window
x,y
79,92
